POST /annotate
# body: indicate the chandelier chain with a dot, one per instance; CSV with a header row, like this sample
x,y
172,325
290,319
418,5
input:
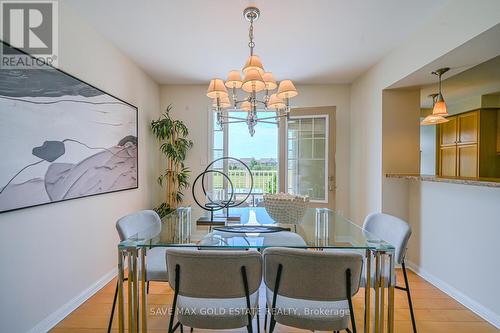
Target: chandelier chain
x,y
251,43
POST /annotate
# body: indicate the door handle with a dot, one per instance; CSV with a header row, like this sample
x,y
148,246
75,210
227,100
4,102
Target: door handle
x,y
332,186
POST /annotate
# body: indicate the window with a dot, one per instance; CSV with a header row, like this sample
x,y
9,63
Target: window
x,y
259,152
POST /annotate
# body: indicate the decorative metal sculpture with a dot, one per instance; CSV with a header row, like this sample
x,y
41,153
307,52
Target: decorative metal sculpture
x,y
216,205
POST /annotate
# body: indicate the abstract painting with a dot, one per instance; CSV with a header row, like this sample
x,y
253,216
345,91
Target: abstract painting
x,y
61,139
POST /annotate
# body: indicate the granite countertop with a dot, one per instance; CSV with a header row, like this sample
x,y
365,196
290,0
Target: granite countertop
x,y
488,182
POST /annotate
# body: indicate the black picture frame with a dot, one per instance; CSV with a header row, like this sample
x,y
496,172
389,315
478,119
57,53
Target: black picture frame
x,y
4,44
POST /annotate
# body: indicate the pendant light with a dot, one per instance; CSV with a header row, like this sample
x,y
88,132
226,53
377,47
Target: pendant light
x,y
439,109
440,105
433,119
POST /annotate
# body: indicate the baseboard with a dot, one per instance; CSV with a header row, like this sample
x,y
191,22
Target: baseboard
x,y
54,318
456,294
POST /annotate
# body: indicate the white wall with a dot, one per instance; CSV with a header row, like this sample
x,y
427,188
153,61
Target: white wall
x,y
49,255
191,105
454,242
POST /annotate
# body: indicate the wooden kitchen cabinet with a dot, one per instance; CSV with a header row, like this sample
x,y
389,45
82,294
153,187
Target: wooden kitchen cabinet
x,y
498,131
467,128
468,144
449,132
467,160
448,165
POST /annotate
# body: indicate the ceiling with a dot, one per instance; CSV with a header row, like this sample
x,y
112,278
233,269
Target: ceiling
x,y
471,73
308,41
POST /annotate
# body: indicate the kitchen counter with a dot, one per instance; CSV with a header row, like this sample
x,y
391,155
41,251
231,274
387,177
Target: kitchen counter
x,y
488,182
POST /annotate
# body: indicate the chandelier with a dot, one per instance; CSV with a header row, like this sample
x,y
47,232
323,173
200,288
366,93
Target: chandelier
x,y
255,80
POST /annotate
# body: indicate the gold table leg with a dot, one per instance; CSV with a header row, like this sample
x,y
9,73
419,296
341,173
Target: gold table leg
x,y
143,290
377,292
121,277
368,290
136,291
130,299
390,298
382,293
133,289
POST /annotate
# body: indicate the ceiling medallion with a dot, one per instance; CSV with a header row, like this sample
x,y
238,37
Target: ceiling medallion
x,y
255,80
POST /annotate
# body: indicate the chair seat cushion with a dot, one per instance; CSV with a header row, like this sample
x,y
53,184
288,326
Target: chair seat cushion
x,y
310,315
156,264
215,313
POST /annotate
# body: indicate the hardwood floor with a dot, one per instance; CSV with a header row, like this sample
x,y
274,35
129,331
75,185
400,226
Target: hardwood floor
x,y
435,312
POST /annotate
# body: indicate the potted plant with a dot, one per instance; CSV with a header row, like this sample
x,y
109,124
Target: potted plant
x,y
173,136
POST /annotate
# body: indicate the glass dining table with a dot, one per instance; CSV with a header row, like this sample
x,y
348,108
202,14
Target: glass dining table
x,y
320,229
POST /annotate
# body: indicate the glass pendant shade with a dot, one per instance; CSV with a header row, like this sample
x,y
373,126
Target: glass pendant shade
x,y
253,62
224,102
246,106
253,81
234,79
216,88
269,80
286,89
275,102
433,119
440,107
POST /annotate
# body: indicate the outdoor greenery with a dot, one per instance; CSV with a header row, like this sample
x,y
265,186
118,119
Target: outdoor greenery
x,y
255,165
173,136
265,180
272,185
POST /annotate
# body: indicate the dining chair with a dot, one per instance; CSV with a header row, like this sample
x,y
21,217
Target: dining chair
x,y
145,224
396,232
311,290
214,289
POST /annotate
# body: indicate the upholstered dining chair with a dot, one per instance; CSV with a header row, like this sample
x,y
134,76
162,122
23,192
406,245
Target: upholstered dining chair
x,y
147,224
311,290
396,232
214,289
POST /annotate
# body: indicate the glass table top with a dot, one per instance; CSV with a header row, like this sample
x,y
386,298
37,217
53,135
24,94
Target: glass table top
x,y
319,228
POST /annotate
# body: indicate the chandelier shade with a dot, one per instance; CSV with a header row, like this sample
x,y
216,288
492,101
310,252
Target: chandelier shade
x,y
253,81
276,103
269,81
253,62
234,79
217,89
286,89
